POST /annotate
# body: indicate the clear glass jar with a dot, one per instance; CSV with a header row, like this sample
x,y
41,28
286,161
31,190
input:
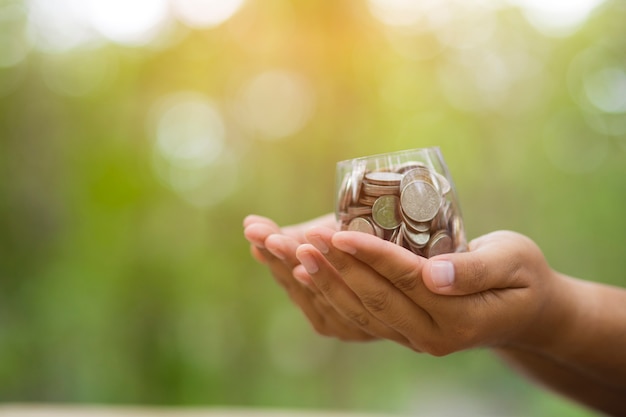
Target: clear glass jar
x,y
406,197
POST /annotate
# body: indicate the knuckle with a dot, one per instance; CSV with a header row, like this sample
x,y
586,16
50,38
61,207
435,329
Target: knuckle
x,y
324,286
376,301
405,283
476,272
360,318
341,264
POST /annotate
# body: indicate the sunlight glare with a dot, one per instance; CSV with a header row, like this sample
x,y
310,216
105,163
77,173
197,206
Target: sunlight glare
x,y
557,17
59,26
132,23
205,13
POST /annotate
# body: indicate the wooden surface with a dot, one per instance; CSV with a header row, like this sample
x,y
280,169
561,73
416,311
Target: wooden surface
x,y
61,410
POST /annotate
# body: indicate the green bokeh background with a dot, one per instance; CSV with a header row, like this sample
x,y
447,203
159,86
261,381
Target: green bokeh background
x,y
118,288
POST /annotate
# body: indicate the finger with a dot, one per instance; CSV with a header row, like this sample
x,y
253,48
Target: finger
x,y
300,273
307,301
256,233
495,261
254,219
399,266
351,305
266,244
334,324
259,254
282,247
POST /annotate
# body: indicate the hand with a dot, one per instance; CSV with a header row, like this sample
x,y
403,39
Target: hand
x,y
492,295
276,248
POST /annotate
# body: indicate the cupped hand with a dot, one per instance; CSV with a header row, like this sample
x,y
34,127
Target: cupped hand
x,y
276,247
490,296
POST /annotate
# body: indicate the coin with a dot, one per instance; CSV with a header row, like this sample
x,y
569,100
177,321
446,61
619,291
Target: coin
x,y
386,212
367,200
378,190
440,243
417,226
444,184
422,173
384,178
361,224
416,239
420,201
408,204
359,211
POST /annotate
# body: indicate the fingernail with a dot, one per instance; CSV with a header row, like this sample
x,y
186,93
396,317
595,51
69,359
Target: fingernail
x,y
342,245
276,252
318,243
442,273
253,239
309,263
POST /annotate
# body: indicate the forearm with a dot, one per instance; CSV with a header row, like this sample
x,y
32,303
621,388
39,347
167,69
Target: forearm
x,y
565,381
582,351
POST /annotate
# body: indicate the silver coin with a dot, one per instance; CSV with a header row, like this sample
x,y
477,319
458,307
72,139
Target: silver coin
x,y
420,201
386,212
440,243
384,178
362,224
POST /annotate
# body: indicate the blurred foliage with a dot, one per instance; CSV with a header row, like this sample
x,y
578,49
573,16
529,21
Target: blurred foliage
x,y
124,276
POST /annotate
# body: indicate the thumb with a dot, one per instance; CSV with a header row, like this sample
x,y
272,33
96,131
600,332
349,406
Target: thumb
x,y
493,262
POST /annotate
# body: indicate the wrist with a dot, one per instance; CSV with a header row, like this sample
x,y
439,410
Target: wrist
x,y
555,321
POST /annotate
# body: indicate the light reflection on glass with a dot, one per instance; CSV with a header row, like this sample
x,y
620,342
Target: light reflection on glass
x,y
205,13
276,104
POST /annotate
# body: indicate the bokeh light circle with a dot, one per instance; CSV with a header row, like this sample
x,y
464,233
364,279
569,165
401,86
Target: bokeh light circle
x,y
190,130
205,13
557,17
60,26
134,22
276,104
606,89
190,153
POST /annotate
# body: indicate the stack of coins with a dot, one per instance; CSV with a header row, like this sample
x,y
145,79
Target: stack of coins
x,y
408,205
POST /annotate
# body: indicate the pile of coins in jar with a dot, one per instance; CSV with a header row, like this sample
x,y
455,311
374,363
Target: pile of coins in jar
x,y
406,205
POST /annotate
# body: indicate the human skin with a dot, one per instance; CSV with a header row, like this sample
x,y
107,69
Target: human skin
x,y
567,334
